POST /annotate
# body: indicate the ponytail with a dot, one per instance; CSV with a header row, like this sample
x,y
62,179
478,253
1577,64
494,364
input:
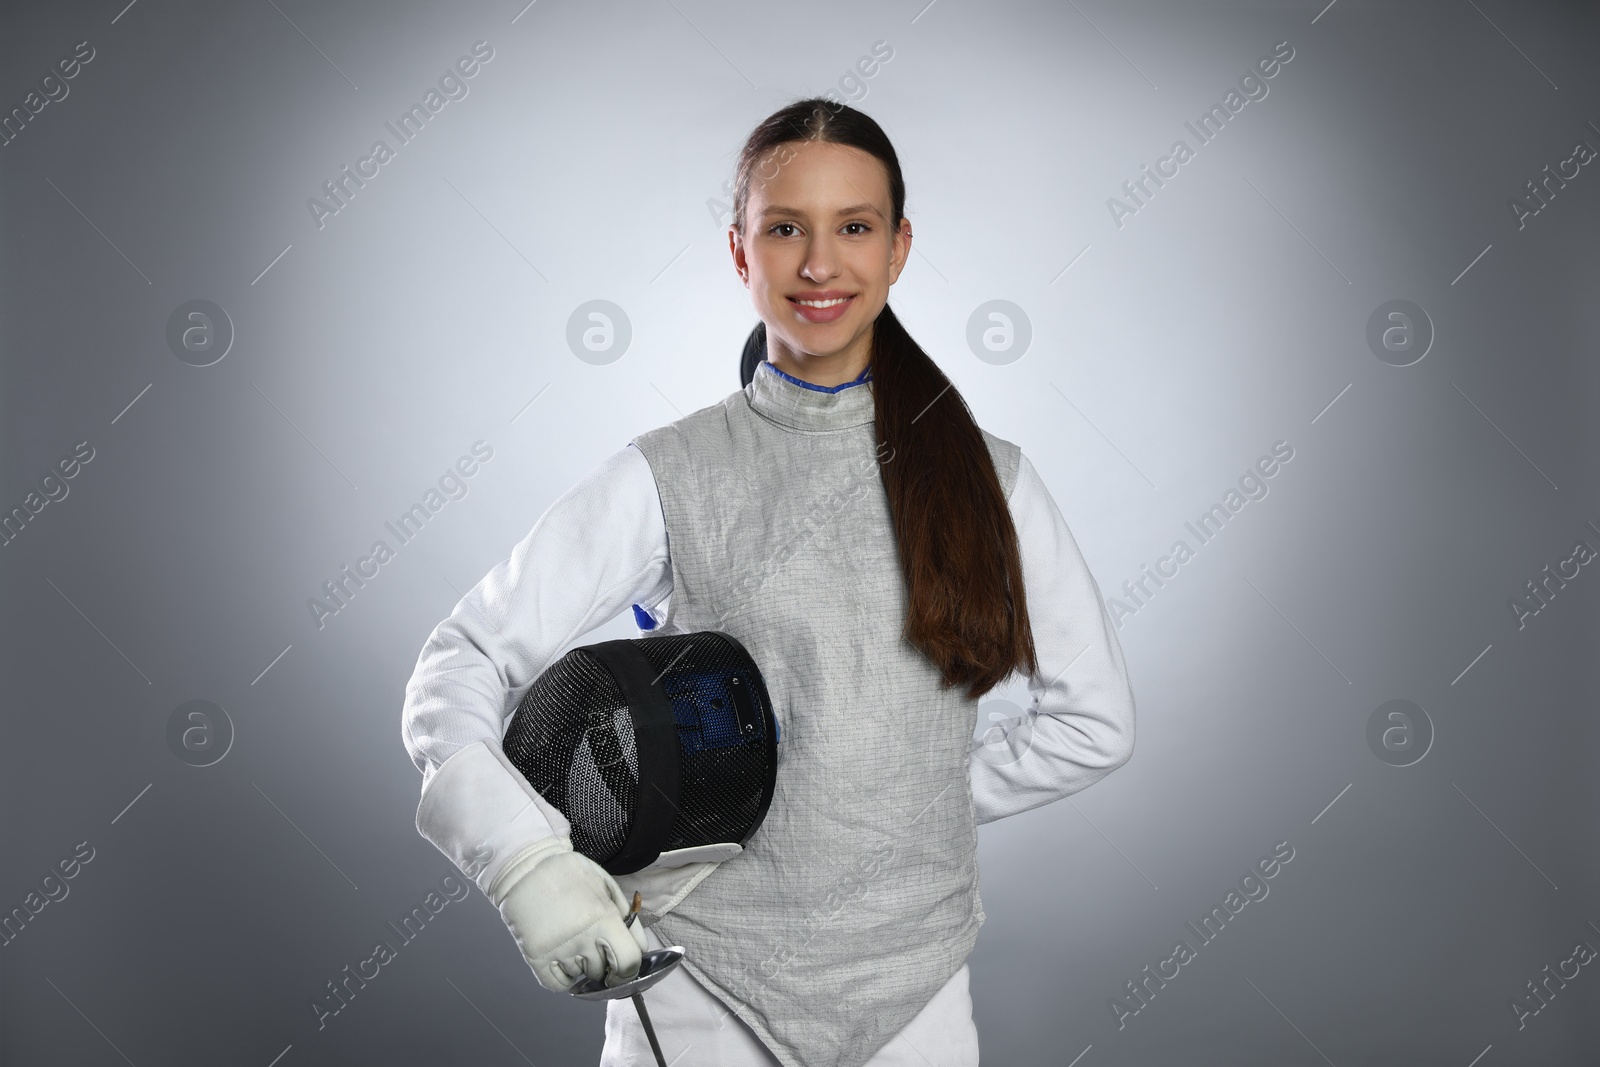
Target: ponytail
x,y
755,350
968,610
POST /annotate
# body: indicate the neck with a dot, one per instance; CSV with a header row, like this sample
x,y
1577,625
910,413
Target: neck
x,y
826,369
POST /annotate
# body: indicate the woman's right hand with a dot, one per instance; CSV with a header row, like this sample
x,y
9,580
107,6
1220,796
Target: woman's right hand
x,y
566,913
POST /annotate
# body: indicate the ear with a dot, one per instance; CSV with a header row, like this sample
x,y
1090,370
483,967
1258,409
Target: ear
x,y
736,249
900,250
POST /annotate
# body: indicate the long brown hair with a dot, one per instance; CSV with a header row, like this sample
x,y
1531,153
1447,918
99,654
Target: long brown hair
x,y
967,610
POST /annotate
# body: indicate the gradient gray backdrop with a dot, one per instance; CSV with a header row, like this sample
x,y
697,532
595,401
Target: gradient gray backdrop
x,y
1167,354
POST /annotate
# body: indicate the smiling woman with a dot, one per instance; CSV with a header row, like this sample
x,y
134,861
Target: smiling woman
x,y
845,519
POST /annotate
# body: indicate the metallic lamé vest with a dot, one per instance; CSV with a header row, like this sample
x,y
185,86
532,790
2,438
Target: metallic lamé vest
x,y
857,898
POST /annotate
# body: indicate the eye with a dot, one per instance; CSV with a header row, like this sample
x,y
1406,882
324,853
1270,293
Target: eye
x,y
779,226
864,226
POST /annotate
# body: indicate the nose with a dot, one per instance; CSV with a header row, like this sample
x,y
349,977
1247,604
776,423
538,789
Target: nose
x,y
822,259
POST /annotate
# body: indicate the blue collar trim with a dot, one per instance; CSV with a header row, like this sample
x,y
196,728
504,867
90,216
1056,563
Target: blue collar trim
x,y
864,376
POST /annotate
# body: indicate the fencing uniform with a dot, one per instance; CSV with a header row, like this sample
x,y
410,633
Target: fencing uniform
x,y
695,1028
839,937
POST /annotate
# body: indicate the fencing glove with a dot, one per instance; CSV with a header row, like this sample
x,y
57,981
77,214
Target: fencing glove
x,y
566,914
562,907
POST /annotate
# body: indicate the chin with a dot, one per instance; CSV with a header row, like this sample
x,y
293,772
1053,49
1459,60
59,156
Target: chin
x,y
822,345
840,330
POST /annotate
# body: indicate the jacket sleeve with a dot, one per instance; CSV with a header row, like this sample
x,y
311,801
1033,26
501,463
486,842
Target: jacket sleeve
x,y
599,548
1079,726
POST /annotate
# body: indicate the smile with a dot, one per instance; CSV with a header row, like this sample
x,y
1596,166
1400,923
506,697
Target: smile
x,y
821,310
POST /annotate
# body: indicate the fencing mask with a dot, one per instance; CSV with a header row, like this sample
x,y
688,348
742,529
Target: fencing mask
x,y
660,751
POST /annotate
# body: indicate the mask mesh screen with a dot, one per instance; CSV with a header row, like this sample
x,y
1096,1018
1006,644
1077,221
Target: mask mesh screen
x,y
572,737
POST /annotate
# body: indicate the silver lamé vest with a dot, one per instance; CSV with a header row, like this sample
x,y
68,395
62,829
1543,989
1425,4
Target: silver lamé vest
x,y
857,899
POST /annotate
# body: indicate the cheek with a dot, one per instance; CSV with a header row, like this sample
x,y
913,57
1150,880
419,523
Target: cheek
x,y
766,290
764,262
773,272
872,267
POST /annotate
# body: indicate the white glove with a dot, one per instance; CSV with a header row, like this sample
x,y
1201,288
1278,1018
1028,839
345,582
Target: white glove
x,y
562,907
566,913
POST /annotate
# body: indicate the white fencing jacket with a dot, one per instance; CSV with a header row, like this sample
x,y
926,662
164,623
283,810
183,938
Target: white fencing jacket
x,y
602,548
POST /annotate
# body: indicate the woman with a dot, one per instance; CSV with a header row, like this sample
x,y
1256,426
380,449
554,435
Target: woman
x,y
886,562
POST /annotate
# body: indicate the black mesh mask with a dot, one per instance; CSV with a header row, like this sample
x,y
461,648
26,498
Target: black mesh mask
x,y
649,746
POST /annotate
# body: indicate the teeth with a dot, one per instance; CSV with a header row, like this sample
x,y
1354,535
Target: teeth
x,y
823,303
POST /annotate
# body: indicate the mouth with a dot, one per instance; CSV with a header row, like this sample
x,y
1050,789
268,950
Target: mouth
x,y
825,306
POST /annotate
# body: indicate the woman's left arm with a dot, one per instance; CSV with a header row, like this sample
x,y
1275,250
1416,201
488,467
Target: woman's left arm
x,y
1079,727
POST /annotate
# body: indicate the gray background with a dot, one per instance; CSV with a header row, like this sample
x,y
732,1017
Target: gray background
x,y
1229,313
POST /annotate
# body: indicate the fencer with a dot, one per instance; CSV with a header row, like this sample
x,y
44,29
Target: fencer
x,y
887,562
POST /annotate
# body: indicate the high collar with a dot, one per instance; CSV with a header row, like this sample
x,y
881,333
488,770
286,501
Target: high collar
x,y
800,405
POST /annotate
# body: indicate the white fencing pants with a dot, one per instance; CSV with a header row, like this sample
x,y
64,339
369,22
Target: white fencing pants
x,y
696,1030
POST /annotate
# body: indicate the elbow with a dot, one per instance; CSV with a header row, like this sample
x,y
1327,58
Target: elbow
x,y
1119,744
409,742
1120,751
409,715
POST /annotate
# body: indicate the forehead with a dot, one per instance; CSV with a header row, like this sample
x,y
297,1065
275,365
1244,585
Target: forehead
x,y
818,177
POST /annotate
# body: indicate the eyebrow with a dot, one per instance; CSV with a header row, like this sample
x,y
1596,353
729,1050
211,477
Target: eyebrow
x,y
854,209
